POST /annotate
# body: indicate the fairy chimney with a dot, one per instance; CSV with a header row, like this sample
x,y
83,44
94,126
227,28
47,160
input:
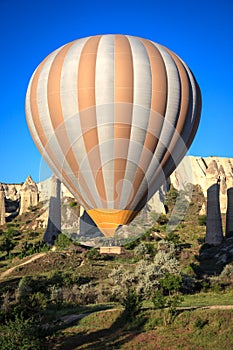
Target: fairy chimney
x,y
29,195
229,215
214,233
2,206
54,218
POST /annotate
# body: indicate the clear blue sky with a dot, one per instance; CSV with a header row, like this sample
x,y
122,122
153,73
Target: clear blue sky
x,y
200,32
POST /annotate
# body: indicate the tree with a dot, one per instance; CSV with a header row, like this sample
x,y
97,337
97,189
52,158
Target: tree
x,y
167,297
7,245
20,333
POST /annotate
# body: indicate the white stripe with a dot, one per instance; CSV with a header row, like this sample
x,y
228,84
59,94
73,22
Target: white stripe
x,y
69,102
141,112
104,92
171,115
192,105
36,137
173,102
31,124
47,124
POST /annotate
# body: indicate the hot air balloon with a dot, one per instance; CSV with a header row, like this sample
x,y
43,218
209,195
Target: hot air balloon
x,y
113,115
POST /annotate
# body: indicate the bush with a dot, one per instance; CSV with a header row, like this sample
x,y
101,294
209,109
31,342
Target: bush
x,y
7,245
167,296
20,333
200,323
62,241
227,272
174,238
202,220
73,204
145,277
94,254
162,219
132,304
144,250
170,283
32,248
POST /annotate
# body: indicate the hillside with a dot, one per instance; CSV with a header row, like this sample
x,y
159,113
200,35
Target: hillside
x,y
168,293
15,199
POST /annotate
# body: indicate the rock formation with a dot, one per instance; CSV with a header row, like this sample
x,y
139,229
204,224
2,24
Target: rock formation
x,y
2,206
54,218
29,195
214,232
205,172
229,214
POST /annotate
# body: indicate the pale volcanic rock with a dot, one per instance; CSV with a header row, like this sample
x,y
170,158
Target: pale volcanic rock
x,y
29,195
54,218
12,191
214,232
229,214
205,172
2,206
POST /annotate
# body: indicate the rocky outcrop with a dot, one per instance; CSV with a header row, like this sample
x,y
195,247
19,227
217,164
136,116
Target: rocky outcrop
x,y
29,195
2,206
205,172
214,232
54,218
229,214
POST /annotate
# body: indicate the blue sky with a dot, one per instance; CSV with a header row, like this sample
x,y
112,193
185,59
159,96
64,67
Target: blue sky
x,y
200,32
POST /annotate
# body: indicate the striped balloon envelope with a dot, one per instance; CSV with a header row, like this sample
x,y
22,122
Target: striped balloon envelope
x,y
113,115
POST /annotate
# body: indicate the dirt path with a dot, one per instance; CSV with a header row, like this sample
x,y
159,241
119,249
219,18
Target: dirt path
x,y
34,257
213,307
68,319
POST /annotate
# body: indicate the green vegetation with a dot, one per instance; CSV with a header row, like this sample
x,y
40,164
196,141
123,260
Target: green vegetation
x,y
152,294
62,241
73,204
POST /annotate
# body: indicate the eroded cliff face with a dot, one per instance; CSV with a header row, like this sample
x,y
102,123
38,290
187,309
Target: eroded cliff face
x,y
205,172
16,199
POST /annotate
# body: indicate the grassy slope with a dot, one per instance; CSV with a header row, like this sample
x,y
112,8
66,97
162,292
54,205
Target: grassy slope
x,y
196,329
199,329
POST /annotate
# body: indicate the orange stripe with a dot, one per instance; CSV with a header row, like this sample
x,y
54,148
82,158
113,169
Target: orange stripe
x,y
107,220
123,97
57,118
39,127
167,161
87,108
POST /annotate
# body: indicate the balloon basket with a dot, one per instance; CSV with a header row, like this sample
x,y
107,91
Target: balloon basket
x,y
112,250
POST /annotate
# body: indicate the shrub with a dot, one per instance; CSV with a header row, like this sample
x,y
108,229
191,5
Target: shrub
x,y
24,287
227,272
162,219
73,204
62,241
145,277
173,237
200,323
20,333
167,296
7,245
94,254
170,283
132,304
202,220
32,248
141,250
